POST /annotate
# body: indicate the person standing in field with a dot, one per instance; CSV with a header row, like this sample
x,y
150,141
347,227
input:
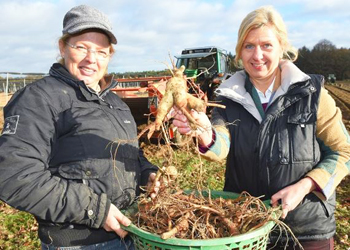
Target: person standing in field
x,y
281,132
69,153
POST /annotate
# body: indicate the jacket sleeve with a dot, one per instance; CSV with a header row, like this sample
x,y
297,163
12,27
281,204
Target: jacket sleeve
x,y
334,142
25,180
146,168
218,151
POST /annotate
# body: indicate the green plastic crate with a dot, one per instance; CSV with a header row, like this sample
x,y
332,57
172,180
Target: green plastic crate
x,y
256,239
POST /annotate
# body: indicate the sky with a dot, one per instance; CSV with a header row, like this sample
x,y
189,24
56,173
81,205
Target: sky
x,y
148,30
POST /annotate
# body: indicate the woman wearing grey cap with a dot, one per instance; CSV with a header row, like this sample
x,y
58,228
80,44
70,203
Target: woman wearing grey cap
x,y
69,153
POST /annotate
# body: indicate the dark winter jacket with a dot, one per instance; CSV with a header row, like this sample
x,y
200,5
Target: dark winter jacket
x,y
268,152
66,154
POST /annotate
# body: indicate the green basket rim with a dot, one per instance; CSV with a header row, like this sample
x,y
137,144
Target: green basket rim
x,y
259,232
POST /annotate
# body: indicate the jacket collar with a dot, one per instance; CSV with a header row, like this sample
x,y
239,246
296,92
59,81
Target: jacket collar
x,y
290,74
234,87
59,71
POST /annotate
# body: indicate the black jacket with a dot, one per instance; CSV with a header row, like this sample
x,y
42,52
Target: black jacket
x,y
66,154
268,156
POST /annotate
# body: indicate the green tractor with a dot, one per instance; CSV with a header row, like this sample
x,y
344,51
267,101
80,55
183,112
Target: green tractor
x,y
331,78
208,66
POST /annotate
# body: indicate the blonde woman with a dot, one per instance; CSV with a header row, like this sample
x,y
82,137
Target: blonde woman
x,y
281,132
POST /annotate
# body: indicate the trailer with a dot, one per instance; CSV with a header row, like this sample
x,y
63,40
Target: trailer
x,y
140,94
206,68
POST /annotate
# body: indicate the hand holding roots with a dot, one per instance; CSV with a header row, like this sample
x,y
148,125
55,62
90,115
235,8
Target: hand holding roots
x,y
176,94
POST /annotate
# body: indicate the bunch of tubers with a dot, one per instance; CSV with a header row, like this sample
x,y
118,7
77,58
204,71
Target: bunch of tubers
x,y
176,95
174,213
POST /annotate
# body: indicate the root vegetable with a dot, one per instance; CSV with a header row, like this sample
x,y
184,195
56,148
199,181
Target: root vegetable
x,y
181,226
176,94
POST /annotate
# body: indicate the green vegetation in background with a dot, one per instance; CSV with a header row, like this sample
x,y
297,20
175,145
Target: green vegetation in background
x,y
18,229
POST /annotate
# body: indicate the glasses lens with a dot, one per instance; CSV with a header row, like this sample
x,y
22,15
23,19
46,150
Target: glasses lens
x,y
83,51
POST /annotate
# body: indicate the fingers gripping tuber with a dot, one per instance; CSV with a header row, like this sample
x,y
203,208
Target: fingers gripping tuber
x,y
176,95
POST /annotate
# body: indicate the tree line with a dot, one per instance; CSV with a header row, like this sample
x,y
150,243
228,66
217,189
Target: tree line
x,y
324,58
150,73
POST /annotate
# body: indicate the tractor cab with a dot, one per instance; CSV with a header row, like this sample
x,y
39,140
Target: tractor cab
x,y
331,78
207,65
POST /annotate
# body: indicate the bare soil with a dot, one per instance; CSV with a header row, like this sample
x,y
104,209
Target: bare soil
x,y
341,95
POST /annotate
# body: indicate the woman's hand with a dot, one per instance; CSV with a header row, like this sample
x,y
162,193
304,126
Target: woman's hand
x,y
153,185
291,196
113,221
204,133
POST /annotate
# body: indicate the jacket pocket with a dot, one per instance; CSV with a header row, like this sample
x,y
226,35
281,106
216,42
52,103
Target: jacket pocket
x,y
96,174
126,176
301,131
313,216
89,169
117,177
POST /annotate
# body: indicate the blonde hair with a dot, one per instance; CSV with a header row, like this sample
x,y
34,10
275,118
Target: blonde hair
x,y
265,16
65,38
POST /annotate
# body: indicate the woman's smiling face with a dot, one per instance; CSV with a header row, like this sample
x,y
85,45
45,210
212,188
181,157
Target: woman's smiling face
x,y
261,54
89,67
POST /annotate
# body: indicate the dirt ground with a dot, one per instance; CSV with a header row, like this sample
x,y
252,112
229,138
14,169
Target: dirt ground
x,y
3,100
341,95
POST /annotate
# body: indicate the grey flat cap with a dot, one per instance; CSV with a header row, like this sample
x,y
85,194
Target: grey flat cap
x,y
84,17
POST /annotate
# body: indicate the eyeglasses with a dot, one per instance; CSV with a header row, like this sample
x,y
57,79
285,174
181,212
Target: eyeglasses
x,y
83,51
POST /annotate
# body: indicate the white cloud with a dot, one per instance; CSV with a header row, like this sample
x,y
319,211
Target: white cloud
x,y
148,30
335,8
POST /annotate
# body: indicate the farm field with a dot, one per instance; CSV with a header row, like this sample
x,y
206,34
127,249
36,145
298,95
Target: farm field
x,y
18,229
341,94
